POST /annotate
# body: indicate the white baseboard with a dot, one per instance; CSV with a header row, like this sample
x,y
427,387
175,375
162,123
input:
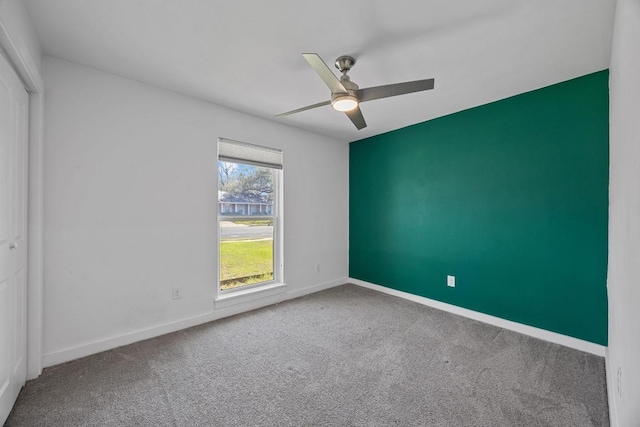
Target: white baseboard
x,y
532,331
611,390
98,346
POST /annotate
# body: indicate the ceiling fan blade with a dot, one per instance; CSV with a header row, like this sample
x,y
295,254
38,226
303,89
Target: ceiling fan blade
x,y
308,107
377,92
325,73
357,118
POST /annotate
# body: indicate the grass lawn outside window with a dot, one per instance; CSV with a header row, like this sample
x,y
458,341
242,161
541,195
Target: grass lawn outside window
x,y
245,262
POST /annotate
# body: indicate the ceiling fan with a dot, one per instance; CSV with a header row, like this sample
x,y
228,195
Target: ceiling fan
x,y
346,96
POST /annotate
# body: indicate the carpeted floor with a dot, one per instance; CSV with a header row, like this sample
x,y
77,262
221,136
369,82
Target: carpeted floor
x,y
347,356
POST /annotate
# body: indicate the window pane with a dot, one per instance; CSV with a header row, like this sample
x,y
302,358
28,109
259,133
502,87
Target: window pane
x,y
246,252
246,243
245,189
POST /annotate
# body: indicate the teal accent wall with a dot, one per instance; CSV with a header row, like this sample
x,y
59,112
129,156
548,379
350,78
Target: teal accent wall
x,y
510,197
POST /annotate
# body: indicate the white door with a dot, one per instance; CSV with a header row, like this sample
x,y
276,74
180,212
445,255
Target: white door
x,y
13,239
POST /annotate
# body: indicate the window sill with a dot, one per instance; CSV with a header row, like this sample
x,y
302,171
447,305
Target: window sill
x,y
247,295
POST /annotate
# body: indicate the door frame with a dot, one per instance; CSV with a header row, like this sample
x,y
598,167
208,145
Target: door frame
x,y
26,68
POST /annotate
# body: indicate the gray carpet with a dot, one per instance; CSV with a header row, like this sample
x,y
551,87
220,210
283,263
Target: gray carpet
x,y
347,356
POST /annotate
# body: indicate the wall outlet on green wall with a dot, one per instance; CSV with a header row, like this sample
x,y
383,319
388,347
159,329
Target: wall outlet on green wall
x,y
451,281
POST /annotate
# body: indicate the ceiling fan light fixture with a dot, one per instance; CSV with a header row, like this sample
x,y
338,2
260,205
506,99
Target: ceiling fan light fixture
x,y
344,103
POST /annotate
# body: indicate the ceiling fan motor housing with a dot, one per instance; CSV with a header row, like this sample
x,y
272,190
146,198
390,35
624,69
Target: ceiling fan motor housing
x,y
348,84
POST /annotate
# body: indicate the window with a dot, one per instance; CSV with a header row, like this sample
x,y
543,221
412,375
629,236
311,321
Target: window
x,y
248,215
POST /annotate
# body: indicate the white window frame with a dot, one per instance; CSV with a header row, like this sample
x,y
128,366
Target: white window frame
x,y
224,298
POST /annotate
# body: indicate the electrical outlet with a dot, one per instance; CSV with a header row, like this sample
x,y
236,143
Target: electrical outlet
x,y
317,268
619,385
451,281
176,293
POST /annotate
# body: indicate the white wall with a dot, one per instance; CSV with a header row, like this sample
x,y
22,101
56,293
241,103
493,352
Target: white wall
x,y
624,217
131,199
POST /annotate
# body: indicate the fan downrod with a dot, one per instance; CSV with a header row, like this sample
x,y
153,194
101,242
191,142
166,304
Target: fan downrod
x,y
344,63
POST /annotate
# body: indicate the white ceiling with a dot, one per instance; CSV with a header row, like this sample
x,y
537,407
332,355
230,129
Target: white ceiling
x,y
246,55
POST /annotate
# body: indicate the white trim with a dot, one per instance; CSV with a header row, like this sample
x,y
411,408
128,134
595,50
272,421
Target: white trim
x,y
21,61
542,334
30,75
35,256
97,346
611,390
227,299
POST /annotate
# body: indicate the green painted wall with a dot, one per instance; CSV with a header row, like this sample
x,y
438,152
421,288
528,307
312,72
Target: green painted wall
x,y
510,197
